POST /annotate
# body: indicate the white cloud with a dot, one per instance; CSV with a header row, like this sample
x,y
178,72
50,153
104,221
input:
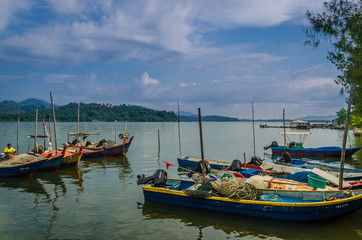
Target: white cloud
x,y
8,8
318,82
146,80
147,30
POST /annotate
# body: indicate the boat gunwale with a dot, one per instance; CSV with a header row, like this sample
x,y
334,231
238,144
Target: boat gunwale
x,y
256,202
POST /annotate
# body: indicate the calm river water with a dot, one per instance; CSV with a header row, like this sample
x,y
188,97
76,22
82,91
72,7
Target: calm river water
x,y
100,199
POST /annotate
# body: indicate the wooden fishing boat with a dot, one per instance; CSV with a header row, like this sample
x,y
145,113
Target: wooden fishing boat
x,y
192,162
310,165
69,158
98,149
21,164
52,163
297,149
276,204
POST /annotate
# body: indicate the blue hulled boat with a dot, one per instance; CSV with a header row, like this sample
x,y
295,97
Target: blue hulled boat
x,y
274,204
21,164
297,148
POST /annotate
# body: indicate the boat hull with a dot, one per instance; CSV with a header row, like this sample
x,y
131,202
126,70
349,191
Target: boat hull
x,y
322,152
52,163
289,211
71,160
23,169
192,162
117,150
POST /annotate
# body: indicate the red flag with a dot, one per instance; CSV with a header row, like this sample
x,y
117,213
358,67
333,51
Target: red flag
x,y
168,164
43,123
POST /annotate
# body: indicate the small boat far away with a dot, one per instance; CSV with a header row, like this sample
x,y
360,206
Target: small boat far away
x,y
297,148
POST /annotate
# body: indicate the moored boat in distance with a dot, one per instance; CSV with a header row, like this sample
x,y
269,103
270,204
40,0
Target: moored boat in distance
x,y
98,149
297,148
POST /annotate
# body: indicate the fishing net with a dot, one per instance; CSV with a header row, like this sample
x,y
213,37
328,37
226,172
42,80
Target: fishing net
x,y
225,187
236,189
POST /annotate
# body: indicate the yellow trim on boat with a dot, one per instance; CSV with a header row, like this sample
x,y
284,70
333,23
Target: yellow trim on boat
x,y
256,202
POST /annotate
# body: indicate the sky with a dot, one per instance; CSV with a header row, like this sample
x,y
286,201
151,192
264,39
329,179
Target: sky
x,y
217,55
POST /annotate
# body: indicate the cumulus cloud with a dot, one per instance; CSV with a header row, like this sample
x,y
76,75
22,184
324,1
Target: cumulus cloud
x,y
8,10
146,80
146,30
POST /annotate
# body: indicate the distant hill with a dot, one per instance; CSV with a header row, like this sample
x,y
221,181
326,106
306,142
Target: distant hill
x,y
95,112
210,118
187,114
28,105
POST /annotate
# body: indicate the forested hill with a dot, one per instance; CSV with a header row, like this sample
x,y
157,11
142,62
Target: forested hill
x,y
95,112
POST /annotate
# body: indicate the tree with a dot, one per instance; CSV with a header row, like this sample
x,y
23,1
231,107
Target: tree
x,y
341,116
341,23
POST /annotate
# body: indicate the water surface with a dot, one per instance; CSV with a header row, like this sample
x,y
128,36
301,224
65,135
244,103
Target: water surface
x,y
100,199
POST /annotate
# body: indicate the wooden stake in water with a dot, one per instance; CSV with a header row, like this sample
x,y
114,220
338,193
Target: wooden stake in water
x,y
246,175
159,144
78,127
178,124
343,153
285,141
252,107
202,149
50,132
55,125
36,131
124,137
17,137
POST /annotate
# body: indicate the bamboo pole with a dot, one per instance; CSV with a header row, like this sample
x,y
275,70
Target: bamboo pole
x,y
78,127
285,141
159,143
115,134
36,131
202,148
50,132
55,126
45,144
246,175
252,107
98,135
343,153
178,124
124,137
17,137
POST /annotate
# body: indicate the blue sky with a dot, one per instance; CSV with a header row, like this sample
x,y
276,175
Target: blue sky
x,y
217,55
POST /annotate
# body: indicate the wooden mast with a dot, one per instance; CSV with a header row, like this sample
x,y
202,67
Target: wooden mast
x,y
252,107
202,149
78,127
55,126
178,124
36,131
285,141
17,137
343,153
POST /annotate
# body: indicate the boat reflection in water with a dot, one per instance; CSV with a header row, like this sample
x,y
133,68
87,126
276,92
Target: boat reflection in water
x,y
244,226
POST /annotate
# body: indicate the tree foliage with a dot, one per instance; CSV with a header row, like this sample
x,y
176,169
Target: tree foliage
x,y
341,23
99,112
341,116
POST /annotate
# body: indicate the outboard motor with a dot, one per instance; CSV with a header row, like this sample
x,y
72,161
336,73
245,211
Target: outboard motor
x,y
286,157
256,161
199,167
292,144
235,166
273,144
158,179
